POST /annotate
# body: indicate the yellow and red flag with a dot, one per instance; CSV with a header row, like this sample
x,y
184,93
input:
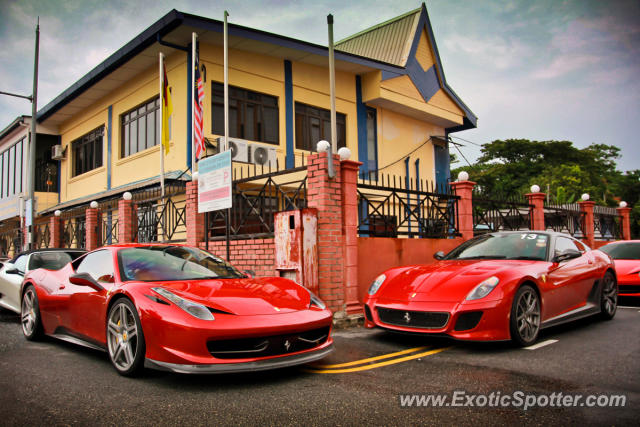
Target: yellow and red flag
x,y
167,110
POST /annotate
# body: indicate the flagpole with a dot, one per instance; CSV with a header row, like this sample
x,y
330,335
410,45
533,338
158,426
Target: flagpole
x,y
226,118
194,39
161,122
226,82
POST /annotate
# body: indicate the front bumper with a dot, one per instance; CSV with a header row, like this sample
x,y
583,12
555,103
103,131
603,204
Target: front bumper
x,y
228,368
492,326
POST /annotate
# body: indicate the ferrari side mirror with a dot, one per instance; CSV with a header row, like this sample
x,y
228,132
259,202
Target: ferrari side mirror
x,y
439,255
85,279
567,255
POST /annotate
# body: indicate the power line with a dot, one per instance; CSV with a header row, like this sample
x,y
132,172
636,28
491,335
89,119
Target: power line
x,y
466,140
403,157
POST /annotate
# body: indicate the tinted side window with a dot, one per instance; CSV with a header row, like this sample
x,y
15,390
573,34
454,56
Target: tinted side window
x,y
98,264
563,243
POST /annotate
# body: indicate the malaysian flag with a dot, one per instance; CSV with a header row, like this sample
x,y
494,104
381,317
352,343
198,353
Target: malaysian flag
x,y
197,111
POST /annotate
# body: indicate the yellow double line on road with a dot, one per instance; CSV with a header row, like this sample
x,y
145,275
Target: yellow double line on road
x,y
365,364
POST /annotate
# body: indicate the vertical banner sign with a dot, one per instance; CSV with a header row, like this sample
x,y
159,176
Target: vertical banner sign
x,y
214,182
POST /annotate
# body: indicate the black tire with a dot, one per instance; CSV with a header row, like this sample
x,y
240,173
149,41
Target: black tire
x,y
524,322
30,314
608,296
125,339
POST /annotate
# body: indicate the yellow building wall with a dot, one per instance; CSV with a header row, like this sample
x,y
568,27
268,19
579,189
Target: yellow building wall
x,y
399,135
142,165
311,86
259,73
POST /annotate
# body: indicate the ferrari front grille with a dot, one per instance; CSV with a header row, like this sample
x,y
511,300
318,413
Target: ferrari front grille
x,y
272,345
414,319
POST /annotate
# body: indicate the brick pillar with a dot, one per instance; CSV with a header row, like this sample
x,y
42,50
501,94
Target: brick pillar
x,y
464,189
125,221
349,173
195,221
625,222
537,213
55,232
92,229
324,194
588,227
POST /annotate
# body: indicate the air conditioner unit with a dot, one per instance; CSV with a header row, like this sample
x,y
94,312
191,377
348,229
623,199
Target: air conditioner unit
x,y
57,153
263,156
239,149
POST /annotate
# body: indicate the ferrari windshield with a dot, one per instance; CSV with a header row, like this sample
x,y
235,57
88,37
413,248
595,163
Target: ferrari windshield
x,y
622,250
167,263
524,246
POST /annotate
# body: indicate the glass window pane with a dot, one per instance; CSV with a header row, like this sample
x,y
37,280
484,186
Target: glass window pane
x,y
300,131
270,124
98,150
218,119
249,123
326,131
134,138
19,146
126,149
5,169
142,140
151,129
12,169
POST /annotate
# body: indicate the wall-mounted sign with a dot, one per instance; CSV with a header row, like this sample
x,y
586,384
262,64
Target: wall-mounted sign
x,y
214,182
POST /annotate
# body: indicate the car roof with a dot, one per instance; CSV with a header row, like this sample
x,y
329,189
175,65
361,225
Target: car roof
x,y
33,251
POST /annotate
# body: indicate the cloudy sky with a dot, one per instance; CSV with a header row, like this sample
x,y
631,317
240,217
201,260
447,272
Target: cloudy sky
x,y
535,69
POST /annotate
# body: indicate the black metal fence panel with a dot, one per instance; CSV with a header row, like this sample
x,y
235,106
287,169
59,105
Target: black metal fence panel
x,y
256,199
565,218
606,223
497,212
396,206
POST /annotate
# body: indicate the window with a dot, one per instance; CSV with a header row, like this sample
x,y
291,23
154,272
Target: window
x,y
11,170
314,124
87,151
99,265
140,128
563,244
21,263
252,115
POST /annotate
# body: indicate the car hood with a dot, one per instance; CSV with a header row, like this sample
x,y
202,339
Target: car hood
x,y
243,296
627,266
445,281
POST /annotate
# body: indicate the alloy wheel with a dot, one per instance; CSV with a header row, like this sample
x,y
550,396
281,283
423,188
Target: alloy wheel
x,y
122,337
528,315
28,315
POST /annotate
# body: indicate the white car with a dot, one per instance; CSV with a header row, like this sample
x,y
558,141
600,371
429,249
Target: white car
x,y
13,271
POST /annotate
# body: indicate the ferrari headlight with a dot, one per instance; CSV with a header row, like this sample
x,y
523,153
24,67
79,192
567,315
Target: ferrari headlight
x,y
376,284
193,308
316,301
483,289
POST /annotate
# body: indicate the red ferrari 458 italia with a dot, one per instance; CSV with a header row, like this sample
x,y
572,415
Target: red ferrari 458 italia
x,y
626,256
176,308
498,286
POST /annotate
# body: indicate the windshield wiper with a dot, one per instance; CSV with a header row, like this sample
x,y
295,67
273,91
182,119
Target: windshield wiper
x,y
484,257
527,258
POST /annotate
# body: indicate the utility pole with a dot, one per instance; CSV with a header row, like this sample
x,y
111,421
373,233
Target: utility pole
x,y
32,146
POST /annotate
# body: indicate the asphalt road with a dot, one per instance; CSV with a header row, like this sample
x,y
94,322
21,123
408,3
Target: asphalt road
x,y
55,383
